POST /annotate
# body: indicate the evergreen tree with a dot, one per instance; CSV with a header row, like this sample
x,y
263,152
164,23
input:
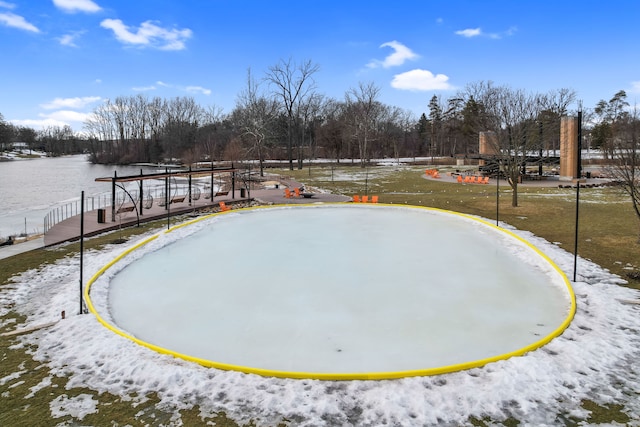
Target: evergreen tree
x,y
422,129
435,119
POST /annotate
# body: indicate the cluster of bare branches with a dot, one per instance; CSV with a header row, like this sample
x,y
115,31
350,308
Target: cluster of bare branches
x,y
617,132
520,122
145,130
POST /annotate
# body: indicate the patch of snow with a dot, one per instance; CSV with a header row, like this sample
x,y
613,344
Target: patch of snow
x,y
46,382
78,407
11,377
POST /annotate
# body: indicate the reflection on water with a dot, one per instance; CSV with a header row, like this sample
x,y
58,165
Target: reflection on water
x,y
29,189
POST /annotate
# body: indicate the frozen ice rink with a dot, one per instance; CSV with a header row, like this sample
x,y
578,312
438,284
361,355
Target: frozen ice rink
x,y
341,289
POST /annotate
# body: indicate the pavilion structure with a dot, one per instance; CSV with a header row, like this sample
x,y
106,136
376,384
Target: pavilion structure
x,y
138,202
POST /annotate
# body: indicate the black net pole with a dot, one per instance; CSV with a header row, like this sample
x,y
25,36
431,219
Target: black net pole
x,y
498,196
113,196
81,246
579,173
167,199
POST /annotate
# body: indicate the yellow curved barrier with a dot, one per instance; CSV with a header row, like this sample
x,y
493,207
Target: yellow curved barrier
x,y
340,376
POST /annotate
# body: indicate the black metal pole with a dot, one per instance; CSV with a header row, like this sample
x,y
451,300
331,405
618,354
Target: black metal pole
x,y
541,144
81,246
366,182
579,173
141,194
167,199
211,189
189,185
233,183
498,196
113,196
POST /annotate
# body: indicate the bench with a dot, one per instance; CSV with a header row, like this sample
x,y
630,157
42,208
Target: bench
x,y
221,193
125,209
177,199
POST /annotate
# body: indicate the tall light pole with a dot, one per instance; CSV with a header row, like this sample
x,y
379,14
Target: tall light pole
x,y
579,173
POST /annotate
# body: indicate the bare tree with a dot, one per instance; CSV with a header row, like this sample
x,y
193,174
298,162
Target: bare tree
x,y
307,110
515,118
6,134
157,112
254,115
511,116
292,82
390,132
626,153
183,116
365,110
101,131
211,134
331,130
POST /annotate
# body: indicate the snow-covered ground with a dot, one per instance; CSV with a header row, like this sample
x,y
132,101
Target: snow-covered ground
x,y
596,359
21,154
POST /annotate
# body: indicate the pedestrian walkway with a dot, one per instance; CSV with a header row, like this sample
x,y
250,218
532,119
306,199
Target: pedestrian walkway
x,y
69,229
18,248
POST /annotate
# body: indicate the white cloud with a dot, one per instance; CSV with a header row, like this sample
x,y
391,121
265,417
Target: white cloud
x,y
39,124
635,87
16,21
148,35
66,116
511,31
72,6
190,89
143,88
75,103
60,118
7,5
400,55
70,39
420,80
470,32
477,32
198,89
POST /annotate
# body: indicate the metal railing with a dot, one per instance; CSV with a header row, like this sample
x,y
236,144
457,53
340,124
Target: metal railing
x,y
103,201
72,208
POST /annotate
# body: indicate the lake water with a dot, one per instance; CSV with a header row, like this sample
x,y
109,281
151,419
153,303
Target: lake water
x,y
29,189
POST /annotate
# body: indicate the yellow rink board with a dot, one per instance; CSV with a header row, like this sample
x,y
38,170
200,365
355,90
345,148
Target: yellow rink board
x,y
339,376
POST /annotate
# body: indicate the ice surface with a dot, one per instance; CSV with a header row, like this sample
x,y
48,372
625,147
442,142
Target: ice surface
x,y
340,290
595,359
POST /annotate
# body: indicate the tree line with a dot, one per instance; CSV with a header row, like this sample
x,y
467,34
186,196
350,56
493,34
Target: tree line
x,y
52,140
282,115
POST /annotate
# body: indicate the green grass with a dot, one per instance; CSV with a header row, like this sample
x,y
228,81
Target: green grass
x,y
608,236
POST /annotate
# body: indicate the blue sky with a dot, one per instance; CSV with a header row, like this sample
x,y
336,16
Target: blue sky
x,y
61,58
